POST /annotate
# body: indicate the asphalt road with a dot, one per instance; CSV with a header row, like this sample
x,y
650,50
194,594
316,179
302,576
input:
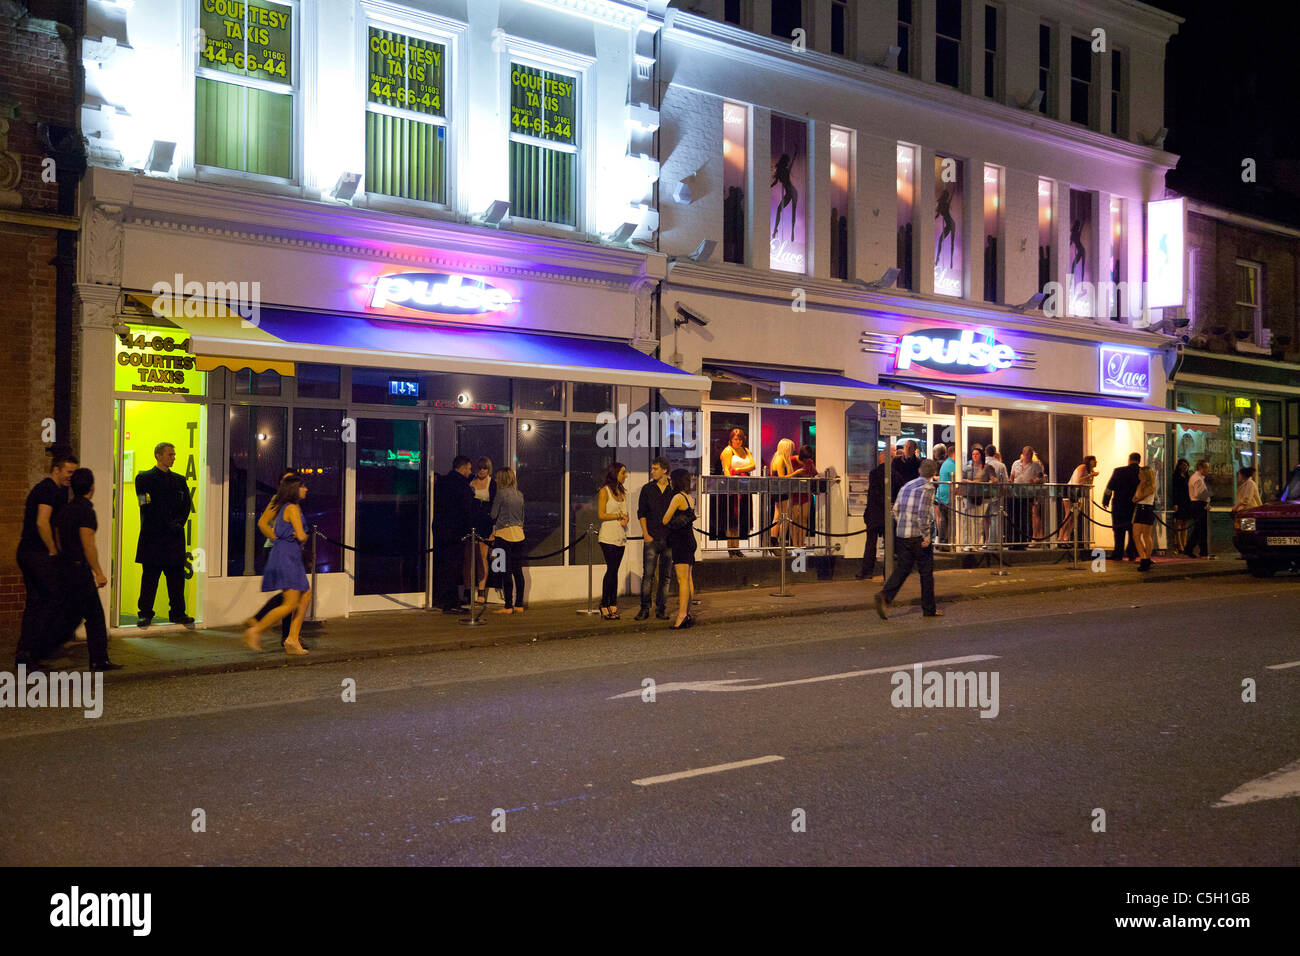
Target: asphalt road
x,y
1136,711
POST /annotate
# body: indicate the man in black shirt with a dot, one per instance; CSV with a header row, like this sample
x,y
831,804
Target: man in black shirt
x,y
453,511
165,506
1123,482
656,559
875,514
906,468
43,626
75,529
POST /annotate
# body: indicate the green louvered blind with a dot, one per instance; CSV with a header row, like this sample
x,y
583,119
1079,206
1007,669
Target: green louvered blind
x,y
543,145
406,133
243,96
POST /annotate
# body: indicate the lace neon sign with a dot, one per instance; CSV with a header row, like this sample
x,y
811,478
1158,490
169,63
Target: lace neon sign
x,y
968,352
1125,372
439,292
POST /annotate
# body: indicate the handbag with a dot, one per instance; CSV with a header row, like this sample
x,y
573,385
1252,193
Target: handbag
x,y
682,519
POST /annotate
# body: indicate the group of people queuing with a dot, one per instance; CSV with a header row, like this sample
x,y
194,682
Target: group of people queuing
x,y
666,515
790,508
60,563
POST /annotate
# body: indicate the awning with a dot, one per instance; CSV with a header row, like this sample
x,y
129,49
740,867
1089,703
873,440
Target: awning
x,y
1061,403
805,384
284,335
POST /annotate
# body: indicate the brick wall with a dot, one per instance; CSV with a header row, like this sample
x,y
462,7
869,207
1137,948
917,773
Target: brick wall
x,y
37,86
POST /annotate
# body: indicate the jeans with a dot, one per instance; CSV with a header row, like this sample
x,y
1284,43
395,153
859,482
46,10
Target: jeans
x,y
44,626
175,590
512,583
909,554
1200,536
609,588
945,521
83,603
656,569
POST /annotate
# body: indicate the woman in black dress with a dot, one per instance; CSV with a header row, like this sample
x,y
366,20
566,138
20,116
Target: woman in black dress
x,y
1182,502
681,541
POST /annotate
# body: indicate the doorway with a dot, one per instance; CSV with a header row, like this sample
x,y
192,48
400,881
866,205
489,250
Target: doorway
x,y
392,509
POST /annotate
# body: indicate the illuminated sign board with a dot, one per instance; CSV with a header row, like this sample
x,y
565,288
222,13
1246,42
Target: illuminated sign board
x,y
965,352
438,292
406,72
1166,221
155,361
248,39
1125,372
404,388
543,104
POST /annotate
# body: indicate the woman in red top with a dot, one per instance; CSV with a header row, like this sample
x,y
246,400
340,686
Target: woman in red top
x,y
804,467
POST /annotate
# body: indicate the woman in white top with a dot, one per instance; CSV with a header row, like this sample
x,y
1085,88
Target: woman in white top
x,y
782,467
611,508
737,460
1083,476
1247,490
1144,515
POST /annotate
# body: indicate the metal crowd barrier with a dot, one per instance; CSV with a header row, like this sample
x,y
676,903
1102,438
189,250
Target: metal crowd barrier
x,y
999,516
760,513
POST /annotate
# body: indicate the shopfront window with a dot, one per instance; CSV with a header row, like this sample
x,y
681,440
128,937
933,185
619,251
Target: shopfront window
x,y
1220,447
318,455
317,381
861,432
591,398
539,465
248,382
257,459
587,464
537,395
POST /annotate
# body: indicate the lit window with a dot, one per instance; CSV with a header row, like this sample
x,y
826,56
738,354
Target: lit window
x,y
543,145
406,131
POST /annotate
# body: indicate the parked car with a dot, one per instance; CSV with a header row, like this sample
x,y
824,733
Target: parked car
x,y
1268,537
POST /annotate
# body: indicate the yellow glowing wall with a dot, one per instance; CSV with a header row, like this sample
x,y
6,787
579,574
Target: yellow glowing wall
x,y
146,424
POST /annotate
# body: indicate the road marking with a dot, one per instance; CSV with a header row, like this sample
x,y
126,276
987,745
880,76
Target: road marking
x,y
1282,667
1271,786
716,768
742,683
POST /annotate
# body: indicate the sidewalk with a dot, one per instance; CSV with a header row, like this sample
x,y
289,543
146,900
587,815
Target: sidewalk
x,y
165,652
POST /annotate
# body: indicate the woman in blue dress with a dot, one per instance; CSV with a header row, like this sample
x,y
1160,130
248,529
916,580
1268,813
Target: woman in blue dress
x,y
282,523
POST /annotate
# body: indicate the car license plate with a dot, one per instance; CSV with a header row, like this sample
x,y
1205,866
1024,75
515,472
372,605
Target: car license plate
x,y
1283,542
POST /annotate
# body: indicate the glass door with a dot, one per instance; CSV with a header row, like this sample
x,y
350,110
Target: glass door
x,y
392,511
730,514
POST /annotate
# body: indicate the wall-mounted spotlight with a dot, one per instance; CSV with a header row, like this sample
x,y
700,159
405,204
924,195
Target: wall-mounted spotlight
x,y
496,212
1034,102
703,250
346,187
1158,141
1033,302
884,282
890,59
160,156
624,232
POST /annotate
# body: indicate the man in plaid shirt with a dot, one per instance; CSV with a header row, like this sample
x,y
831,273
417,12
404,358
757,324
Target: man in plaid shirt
x,y
914,512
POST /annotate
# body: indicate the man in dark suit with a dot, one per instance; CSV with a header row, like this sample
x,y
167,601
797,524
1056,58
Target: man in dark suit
x,y
875,515
453,515
1123,482
165,506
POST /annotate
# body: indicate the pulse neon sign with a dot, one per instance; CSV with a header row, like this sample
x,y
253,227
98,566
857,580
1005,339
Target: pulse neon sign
x,y
968,352
439,292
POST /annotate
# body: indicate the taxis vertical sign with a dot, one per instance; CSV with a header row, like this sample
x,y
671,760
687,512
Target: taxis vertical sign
x,y
247,39
406,72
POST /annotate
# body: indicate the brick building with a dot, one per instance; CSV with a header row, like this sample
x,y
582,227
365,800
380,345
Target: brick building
x,y
40,165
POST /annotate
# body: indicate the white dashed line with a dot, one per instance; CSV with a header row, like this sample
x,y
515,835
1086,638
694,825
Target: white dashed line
x,y
716,768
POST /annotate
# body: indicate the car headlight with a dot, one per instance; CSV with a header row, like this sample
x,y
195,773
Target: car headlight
x,y
1247,524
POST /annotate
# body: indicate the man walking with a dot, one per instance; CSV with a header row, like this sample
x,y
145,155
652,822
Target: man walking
x,y
43,620
656,561
914,511
453,511
75,529
1198,490
1123,482
874,517
165,506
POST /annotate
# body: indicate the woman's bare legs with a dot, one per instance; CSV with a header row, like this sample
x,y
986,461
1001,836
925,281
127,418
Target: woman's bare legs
x,y
292,644
684,589
253,634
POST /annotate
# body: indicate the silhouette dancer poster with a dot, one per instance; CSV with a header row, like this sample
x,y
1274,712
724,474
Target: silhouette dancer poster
x,y
789,189
949,214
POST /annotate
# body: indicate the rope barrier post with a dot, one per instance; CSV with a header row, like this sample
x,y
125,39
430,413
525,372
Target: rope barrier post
x,y
1074,516
1003,516
591,568
473,620
785,533
315,595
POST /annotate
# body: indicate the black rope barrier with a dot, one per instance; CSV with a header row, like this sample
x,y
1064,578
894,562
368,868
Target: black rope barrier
x,y
531,557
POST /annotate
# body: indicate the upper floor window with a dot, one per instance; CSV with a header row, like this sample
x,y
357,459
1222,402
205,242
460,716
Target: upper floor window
x,y
787,16
1248,309
735,140
1080,81
1046,72
543,144
731,11
244,87
841,196
406,118
947,42
839,26
992,54
905,34
1118,105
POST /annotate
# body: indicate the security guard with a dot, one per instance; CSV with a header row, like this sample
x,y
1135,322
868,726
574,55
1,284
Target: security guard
x,y
165,506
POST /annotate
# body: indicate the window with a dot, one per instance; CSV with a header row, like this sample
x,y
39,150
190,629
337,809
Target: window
x,y
540,467
905,182
591,398
1082,269
789,183
317,381
950,228
992,60
1080,81
839,26
543,145
587,464
731,11
992,230
787,16
406,131
248,382
735,136
1046,265
318,455
1247,314
1118,292
905,36
947,43
1118,119
538,395
244,88
841,200
1045,68
257,453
